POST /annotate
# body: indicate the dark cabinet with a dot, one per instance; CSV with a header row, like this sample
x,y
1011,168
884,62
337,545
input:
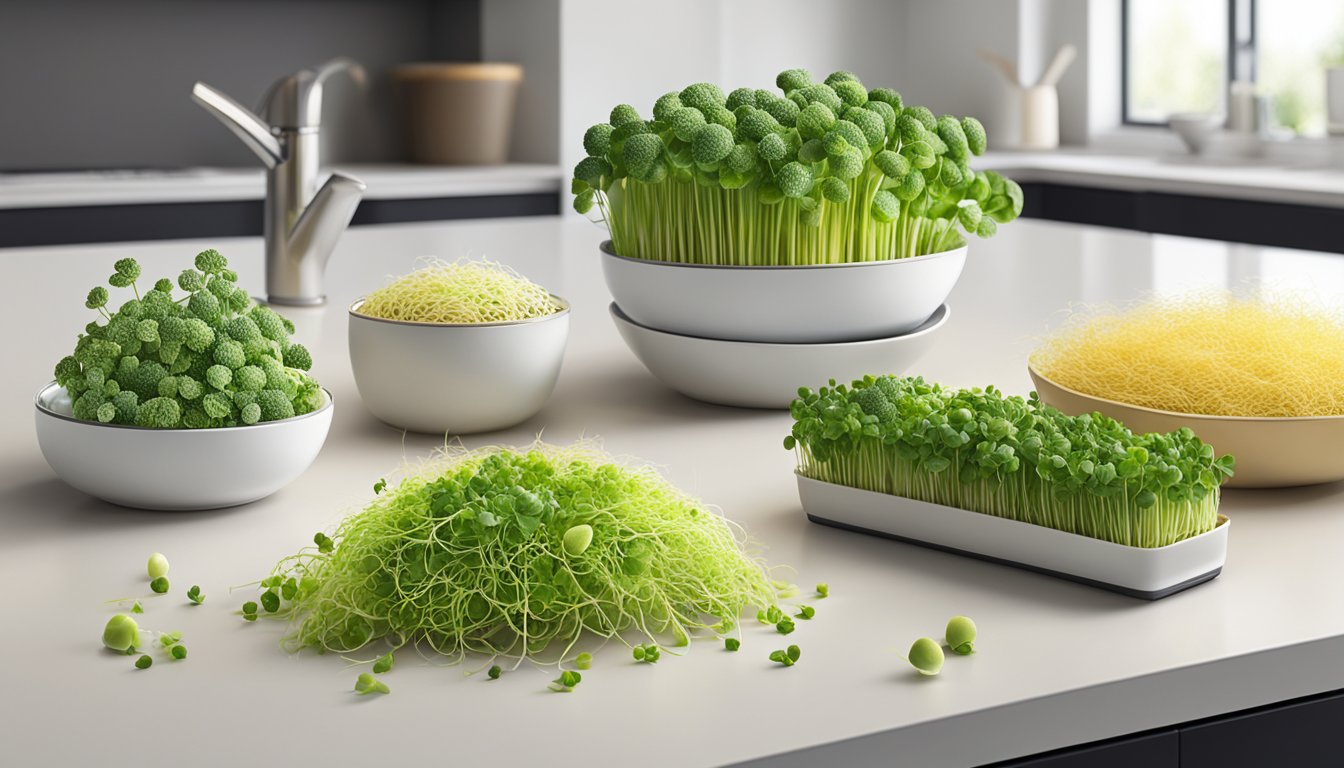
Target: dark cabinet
x,y
1158,749
1258,222
1303,733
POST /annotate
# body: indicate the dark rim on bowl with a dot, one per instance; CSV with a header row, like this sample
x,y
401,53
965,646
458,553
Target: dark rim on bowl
x,y
607,248
564,310
934,322
37,403
1177,414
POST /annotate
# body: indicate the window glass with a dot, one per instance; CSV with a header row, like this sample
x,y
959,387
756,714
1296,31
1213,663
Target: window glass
x,y
1175,58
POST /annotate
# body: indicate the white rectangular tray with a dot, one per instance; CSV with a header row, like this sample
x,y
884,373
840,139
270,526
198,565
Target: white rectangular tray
x,y
1147,573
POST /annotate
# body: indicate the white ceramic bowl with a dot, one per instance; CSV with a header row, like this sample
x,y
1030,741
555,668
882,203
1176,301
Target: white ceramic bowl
x,y
176,469
459,379
760,375
787,305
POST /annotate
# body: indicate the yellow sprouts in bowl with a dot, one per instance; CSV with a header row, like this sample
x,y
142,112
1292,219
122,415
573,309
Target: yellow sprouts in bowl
x,y
1218,354
460,293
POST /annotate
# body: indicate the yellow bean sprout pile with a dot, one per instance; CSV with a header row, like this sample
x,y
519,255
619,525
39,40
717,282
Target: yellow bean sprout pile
x,y
1215,354
460,293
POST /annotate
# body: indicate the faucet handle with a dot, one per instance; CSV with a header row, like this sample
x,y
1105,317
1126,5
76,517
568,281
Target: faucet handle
x,y
295,102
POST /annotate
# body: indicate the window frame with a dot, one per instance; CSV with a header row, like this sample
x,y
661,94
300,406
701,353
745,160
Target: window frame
x,y
1239,42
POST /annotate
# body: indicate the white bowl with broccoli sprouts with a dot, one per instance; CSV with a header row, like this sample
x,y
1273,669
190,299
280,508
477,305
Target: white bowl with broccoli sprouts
x,y
815,304
176,469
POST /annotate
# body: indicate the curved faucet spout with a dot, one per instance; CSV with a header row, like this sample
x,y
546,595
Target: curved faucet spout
x,y
254,132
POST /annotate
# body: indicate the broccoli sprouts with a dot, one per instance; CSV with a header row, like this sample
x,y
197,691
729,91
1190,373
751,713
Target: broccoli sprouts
x,y
192,362
845,173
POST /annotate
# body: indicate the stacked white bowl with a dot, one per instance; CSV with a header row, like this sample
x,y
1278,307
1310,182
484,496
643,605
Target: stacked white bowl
x,y
751,336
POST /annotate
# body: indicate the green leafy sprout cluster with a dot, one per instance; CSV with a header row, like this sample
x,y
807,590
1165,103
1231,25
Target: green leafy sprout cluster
x,y
209,358
517,553
819,173
1017,458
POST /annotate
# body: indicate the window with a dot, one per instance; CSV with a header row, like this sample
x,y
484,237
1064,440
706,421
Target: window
x,y
1176,58
1181,55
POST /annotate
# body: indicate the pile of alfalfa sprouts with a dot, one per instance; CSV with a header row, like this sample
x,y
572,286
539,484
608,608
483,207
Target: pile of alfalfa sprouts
x,y
519,554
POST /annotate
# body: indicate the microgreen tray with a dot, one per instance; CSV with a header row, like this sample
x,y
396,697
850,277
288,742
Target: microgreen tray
x,y
1145,573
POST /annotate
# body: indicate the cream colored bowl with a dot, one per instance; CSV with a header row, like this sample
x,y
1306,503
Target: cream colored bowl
x,y
458,379
783,305
176,469
1270,452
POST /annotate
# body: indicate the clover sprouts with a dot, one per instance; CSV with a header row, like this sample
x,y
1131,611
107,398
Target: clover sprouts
x,y
1012,457
818,173
787,657
194,595
160,585
144,662
477,551
460,293
494,672
210,358
731,643
367,683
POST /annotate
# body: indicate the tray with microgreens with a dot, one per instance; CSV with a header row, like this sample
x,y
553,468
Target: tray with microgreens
x,y
819,211
1012,480
186,395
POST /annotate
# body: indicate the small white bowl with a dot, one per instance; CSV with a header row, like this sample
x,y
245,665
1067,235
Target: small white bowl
x,y
758,375
176,469
787,305
459,379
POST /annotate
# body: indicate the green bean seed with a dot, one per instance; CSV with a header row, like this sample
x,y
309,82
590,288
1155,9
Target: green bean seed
x,y
926,656
121,634
961,635
157,566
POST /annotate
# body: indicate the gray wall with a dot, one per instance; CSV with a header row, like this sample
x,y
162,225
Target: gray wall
x,y
97,84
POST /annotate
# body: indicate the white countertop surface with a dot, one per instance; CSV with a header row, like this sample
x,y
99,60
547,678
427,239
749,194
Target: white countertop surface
x,y
131,187
1267,179
1058,663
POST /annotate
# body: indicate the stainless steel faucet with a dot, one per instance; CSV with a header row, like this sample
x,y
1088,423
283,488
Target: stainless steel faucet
x,y
302,223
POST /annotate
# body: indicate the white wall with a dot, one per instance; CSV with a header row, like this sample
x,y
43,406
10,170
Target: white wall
x,y
584,56
628,51
761,38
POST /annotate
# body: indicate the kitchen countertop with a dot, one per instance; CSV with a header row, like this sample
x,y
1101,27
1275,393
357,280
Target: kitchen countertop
x,y
1057,663
1267,179
133,187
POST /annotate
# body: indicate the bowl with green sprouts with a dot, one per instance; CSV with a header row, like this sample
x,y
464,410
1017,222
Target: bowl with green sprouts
x,y
186,396
818,212
457,347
